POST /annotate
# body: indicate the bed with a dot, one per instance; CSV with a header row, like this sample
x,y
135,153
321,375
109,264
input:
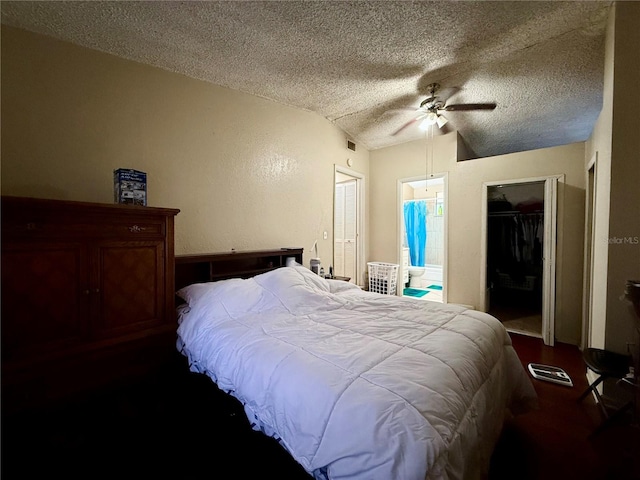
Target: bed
x,y
355,384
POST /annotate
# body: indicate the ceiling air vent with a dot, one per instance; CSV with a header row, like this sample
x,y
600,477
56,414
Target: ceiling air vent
x,y
351,145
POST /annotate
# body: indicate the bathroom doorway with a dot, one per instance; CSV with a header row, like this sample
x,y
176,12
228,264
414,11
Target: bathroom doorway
x,y
423,222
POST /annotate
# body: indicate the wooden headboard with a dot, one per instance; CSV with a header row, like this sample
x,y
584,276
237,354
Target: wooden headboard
x,y
232,264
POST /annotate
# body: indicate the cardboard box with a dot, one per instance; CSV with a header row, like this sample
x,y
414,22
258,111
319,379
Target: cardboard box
x,y
130,186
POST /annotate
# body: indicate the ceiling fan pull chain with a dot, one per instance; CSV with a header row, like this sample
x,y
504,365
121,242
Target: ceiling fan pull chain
x,y
429,154
431,128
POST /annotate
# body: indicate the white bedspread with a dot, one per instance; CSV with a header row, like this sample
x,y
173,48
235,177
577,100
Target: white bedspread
x,y
354,384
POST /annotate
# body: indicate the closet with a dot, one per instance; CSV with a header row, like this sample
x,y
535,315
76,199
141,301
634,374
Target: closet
x,y
515,240
345,226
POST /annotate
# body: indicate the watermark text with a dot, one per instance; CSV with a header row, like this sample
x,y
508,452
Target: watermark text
x,y
624,240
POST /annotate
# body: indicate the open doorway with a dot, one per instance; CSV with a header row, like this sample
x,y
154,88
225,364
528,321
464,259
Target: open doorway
x,y
423,215
515,244
519,254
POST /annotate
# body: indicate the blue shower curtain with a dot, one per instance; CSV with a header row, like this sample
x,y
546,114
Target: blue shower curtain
x,y
415,225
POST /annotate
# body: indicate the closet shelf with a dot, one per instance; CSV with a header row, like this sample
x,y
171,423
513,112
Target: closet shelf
x,y
514,212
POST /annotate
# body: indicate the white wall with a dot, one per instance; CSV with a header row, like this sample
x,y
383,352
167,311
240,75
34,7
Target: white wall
x,y
246,173
464,206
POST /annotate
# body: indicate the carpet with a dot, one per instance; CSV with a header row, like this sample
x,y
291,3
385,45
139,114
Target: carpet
x,y
414,292
435,287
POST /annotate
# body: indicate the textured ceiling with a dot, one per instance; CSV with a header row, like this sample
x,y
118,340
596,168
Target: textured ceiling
x,y
365,65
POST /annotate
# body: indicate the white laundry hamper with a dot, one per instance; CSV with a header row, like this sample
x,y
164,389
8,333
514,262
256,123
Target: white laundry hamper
x,y
383,277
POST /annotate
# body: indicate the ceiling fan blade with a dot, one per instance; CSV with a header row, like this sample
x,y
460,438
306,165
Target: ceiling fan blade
x,y
445,93
409,123
403,109
468,106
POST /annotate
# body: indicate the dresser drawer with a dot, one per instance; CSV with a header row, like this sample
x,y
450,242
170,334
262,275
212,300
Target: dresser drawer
x,y
49,231
36,225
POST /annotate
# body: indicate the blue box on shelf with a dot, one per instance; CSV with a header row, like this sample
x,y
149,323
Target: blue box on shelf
x,y
130,186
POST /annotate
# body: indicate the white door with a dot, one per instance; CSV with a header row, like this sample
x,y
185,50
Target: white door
x,y
587,287
549,261
345,229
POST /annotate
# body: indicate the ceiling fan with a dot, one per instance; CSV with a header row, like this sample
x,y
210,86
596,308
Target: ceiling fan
x,y
429,111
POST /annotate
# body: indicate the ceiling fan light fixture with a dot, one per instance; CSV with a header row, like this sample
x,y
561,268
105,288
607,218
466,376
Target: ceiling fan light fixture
x,y
430,119
427,114
441,121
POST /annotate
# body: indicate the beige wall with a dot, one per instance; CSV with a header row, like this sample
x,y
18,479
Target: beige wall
x,y
624,226
404,161
464,208
246,173
249,173
615,140
598,147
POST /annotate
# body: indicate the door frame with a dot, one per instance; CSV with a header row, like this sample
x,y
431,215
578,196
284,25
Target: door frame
x,y
589,240
360,209
400,226
549,269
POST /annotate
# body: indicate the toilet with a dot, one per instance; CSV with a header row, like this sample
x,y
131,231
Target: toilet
x,y
414,276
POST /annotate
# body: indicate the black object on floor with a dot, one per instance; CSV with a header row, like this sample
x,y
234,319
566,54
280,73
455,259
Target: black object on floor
x,y
605,364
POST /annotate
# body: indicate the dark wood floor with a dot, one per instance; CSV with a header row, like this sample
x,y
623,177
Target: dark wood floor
x,y
177,424
556,441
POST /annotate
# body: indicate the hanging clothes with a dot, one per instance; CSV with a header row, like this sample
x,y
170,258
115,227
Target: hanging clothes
x,y
415,225
515,243
530,225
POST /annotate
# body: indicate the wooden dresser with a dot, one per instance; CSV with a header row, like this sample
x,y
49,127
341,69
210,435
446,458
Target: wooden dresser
x,y
87,296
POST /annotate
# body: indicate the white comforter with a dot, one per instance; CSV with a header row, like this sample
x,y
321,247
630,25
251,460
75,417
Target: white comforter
x,y
354,384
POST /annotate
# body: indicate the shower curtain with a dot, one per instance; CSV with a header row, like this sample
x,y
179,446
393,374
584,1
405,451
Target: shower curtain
x,y
415,227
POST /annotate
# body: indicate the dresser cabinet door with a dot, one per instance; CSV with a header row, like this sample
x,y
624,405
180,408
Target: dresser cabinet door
x,y
128,281
87,296
45,299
